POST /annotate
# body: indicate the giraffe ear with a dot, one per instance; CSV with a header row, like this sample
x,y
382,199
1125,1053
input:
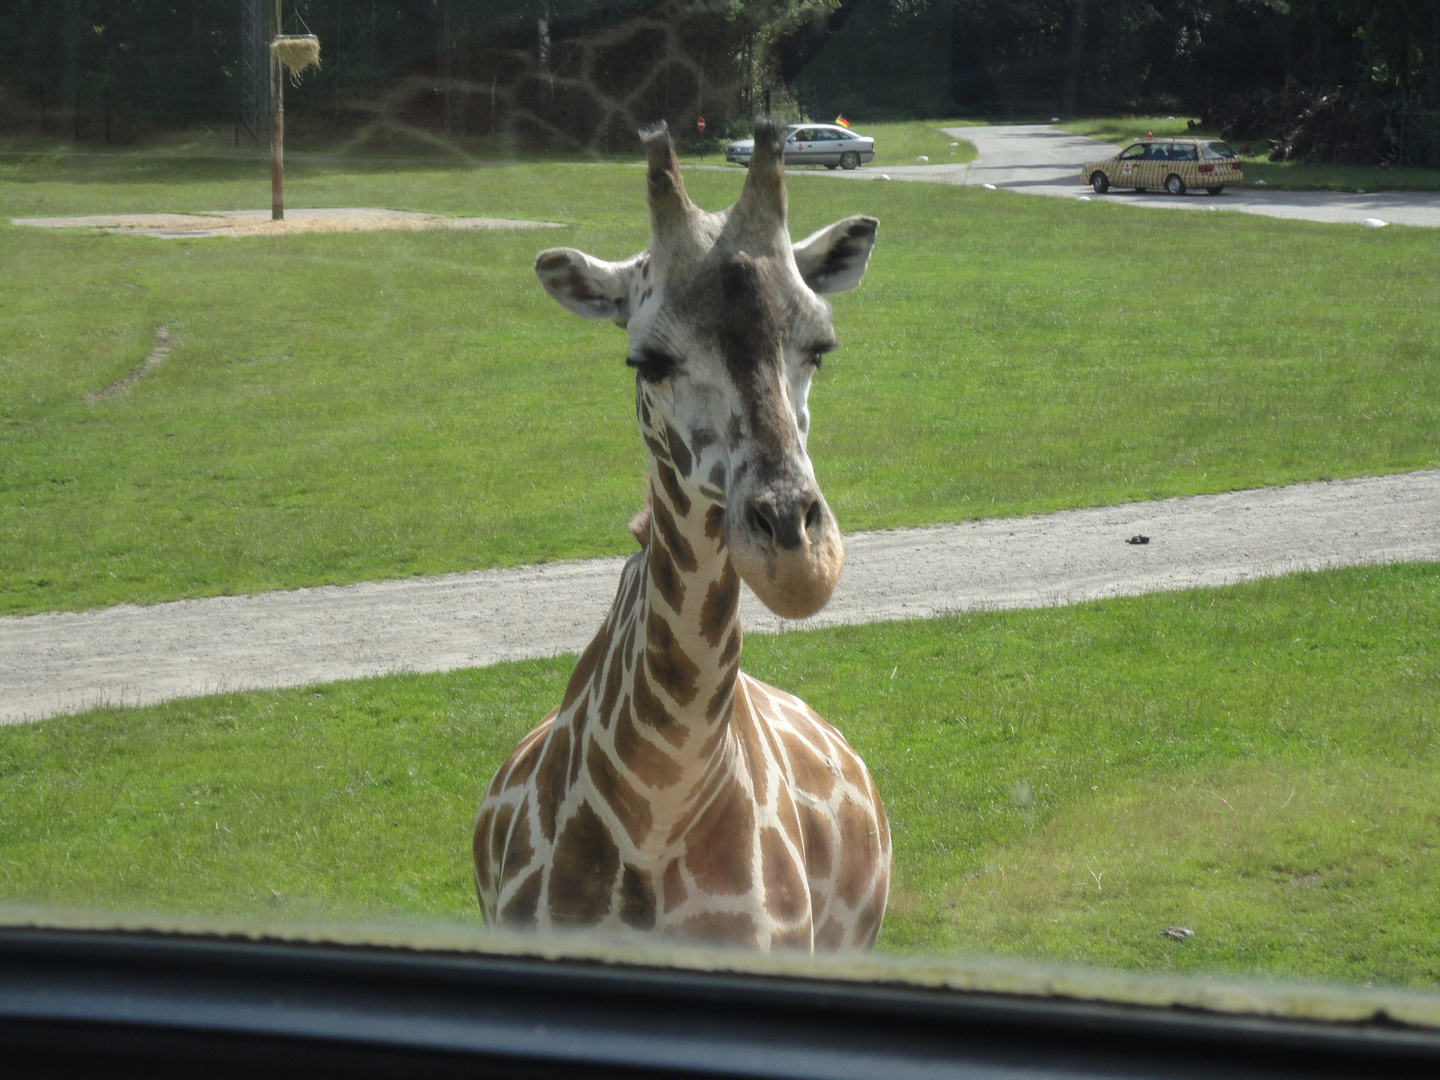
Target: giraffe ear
x,y
590,287
834,259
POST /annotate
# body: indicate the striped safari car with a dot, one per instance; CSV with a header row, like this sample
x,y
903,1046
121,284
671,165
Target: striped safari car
x,y
1173,164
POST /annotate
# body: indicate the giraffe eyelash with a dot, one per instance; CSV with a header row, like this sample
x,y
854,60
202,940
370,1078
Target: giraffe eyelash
x,y
652,365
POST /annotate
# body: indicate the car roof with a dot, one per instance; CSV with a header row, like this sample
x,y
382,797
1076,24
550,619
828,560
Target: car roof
x,y
1179,138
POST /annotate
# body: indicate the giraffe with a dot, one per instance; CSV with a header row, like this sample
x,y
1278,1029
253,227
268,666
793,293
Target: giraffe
x,y
670,792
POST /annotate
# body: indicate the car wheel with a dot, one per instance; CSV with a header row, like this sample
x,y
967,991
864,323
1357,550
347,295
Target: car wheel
x,y
1141,190
1174,185
1215,190
831,165
850,160
1100,182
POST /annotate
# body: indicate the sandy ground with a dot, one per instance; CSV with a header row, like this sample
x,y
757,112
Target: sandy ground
x,y
1037,159
258,222
62,663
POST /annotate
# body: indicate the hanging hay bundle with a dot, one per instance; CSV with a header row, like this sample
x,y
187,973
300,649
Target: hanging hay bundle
x,y
297,52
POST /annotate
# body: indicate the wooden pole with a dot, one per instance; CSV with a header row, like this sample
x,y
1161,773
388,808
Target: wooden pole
x,y
277,122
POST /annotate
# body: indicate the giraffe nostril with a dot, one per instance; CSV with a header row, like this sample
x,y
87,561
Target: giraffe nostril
x,y
812,517
761,519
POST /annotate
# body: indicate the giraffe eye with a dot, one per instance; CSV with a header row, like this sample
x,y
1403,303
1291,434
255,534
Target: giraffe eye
x,y
652,365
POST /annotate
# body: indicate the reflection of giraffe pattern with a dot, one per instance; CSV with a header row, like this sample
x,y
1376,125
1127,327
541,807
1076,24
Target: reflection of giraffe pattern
x,y
668,63
671,792
590,91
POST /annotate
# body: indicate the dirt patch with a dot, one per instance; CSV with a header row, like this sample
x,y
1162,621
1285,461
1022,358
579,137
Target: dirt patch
x,y
258,222
156,355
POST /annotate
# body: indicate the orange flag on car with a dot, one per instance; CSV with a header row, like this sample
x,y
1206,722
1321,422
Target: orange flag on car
x,y
842,121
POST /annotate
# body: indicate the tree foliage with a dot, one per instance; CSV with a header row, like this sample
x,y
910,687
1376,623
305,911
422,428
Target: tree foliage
x,y
76,65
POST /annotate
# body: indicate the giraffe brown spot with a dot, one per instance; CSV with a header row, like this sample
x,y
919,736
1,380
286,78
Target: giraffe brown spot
x,y
859,851
632,584
731,652
798,938
721,601
628,648
680,548
809,770
720,928
655,446
629,805
646,760
698,801
723,699
852,770
614,679
680,454
666,578
500,832
480,849
637,899
670,666
519,910
715,516
678,499
585,667
583,870
785,892
577,752
675,893
715,519
831,935
719,847
518,849
817,840
712,742
744,724
648,710
523,757
550,779
867,923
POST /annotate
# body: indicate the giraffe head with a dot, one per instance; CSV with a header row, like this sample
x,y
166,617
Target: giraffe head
x,y
727,326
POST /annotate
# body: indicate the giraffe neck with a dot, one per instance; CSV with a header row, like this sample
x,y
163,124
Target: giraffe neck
x,y
686,628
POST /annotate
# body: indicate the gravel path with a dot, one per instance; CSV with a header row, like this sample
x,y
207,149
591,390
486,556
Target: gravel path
x,y
63,663
1041,160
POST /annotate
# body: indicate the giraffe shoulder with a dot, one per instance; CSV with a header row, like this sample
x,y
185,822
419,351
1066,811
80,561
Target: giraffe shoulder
x,y
521,764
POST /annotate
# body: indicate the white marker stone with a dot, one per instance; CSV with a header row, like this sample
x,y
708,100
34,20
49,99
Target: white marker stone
x,y
1373,223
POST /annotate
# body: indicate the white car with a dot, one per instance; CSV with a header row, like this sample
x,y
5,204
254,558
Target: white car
x,y
813,144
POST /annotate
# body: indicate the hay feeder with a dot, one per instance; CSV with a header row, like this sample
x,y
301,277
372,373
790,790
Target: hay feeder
x,y
298,52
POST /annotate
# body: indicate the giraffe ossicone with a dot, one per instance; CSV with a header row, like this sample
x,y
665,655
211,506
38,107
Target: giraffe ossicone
x,y
670,792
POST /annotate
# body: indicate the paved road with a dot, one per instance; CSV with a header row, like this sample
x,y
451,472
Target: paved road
x,y
63,663
1040,160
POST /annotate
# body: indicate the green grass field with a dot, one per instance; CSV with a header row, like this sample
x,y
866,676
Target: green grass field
x,y
349,407
1279,175
1260,764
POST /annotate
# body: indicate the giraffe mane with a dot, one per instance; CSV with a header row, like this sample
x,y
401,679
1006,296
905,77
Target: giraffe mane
x,y
640,523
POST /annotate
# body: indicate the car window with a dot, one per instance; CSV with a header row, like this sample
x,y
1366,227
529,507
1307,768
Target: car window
x,y
372,399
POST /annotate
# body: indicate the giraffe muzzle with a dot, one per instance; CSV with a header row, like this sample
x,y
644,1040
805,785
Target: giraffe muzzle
x,y
789,551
